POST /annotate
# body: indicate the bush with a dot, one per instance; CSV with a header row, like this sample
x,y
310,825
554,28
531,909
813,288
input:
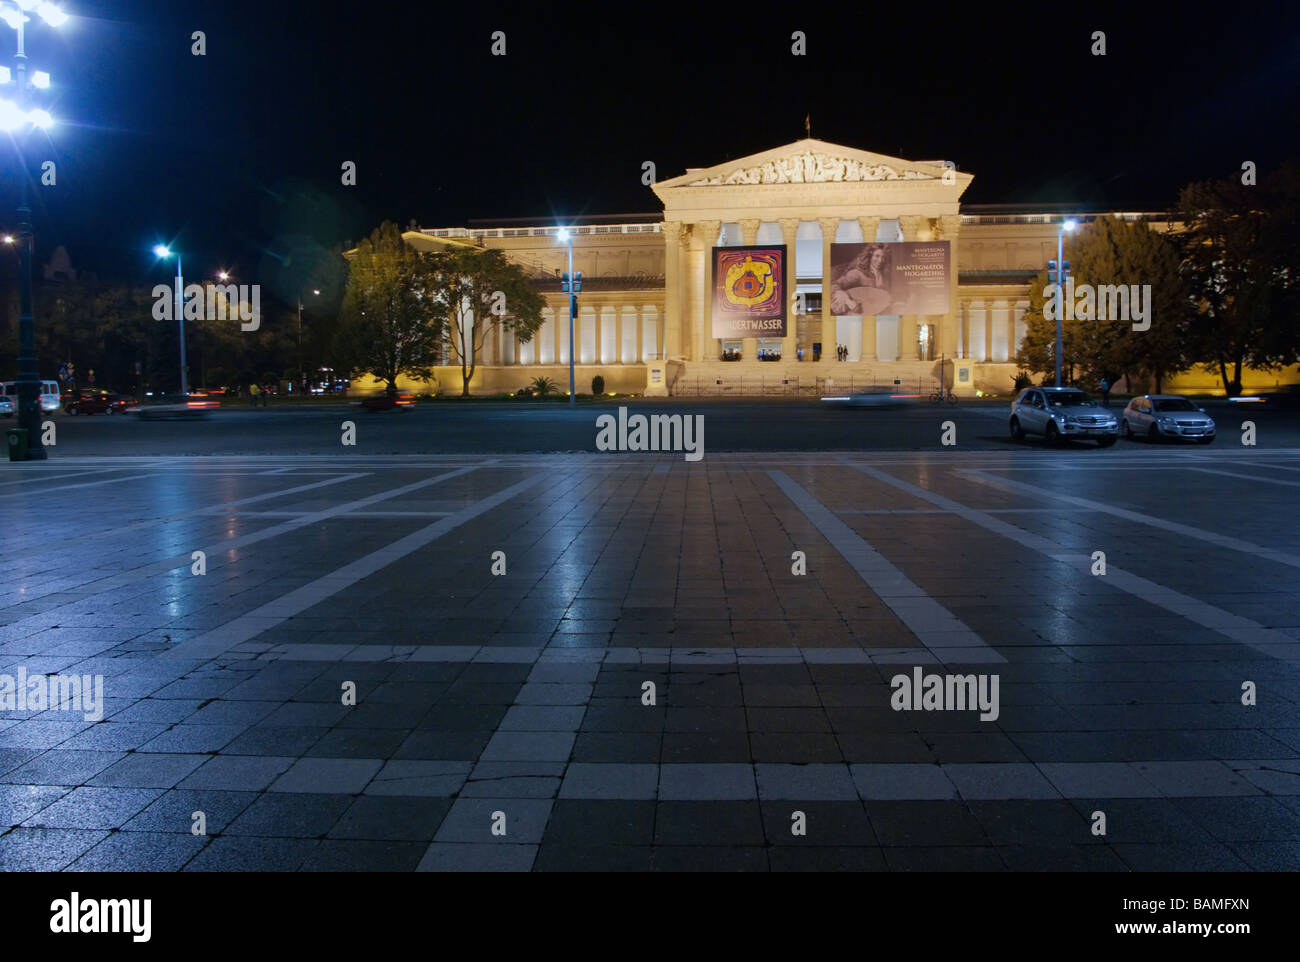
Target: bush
x,y
597,385
1022,380
543,386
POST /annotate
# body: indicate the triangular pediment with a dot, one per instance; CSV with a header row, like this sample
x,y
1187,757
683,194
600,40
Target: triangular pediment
x,y
808,161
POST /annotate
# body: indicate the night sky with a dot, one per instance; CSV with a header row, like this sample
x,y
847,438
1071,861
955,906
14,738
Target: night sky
x,y
235,157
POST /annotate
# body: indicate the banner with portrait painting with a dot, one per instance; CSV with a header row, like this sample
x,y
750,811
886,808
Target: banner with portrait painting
x,y
902,278
749,292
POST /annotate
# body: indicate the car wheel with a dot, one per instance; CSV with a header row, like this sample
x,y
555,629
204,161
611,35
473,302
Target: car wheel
x,y
1106,442
1017,432
1127,430
1053,434
1154,435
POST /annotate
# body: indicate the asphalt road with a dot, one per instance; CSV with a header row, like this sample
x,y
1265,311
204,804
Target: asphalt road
x,y
516,428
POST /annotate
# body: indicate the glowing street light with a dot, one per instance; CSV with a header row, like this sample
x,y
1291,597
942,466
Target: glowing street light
x,y
16,116
1062,269
572,284
163,252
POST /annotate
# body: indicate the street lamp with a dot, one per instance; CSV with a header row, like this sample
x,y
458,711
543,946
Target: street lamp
x,y
1068,225
302,374
162,252
572,284
16,117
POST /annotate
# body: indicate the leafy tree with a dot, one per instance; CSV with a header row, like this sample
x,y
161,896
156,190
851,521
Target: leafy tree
x,y
1242,269
391,323
480,292
1112,251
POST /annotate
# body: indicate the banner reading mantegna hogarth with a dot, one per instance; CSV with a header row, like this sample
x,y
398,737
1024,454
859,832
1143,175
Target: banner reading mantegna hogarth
x,y
902,278
749,298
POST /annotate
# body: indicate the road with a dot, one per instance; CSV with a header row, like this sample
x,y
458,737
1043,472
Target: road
x,y
485,427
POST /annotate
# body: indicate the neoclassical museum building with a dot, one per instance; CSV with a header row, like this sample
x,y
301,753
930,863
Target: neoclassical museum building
x,y
811,267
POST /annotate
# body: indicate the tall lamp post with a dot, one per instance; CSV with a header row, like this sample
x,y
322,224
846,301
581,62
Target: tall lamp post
x,y
16,117
163,253
1062,269
302,375
573,284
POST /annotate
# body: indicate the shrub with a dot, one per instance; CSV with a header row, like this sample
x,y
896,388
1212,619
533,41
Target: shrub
x,y
543,386
1022,380
597,385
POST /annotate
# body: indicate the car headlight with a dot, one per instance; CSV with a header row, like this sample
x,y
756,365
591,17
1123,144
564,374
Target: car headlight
x,y
1167,422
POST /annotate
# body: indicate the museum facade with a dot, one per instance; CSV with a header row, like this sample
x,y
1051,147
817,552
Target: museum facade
x,y
808,268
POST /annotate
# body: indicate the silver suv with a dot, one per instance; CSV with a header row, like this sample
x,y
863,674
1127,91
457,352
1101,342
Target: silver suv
x,y
1057,413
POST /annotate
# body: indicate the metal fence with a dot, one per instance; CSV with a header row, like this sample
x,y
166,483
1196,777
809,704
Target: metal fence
x,y
806,386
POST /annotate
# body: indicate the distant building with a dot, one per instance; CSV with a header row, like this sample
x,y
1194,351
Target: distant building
x,y
649,282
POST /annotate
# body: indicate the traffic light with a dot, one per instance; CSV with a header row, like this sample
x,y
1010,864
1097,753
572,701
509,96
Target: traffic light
x,y
573,309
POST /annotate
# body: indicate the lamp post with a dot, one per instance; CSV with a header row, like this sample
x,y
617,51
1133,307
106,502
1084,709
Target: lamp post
x,y
15,116
163,253
1060,282
573,285
302,374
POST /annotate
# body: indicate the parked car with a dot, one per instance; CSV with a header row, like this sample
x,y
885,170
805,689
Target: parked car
x,y
1058,413
98,402
8,406
1161,416
50,401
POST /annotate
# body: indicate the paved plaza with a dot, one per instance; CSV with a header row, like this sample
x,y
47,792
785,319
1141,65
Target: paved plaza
x,y
667,666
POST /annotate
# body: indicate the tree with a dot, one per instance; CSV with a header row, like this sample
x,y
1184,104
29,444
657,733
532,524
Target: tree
x,y
1112,251
1241,266
390,322
480,292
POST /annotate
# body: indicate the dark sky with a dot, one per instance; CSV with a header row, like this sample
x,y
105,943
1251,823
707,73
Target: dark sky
x,y
235,156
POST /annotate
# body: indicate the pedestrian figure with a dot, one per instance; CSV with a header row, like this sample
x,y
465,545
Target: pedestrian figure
x,y
266,396
1105,393
252,394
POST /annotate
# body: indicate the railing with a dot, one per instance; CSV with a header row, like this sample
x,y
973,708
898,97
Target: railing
x,y
754,385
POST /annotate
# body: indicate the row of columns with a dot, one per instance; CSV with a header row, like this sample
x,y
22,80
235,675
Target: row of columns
x,y
496,350
687,275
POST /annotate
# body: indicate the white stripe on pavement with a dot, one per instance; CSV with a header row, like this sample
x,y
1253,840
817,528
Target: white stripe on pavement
x,y
244,628
944,635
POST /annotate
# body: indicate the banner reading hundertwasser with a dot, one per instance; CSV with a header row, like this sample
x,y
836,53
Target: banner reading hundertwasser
x,y
749,298
903,278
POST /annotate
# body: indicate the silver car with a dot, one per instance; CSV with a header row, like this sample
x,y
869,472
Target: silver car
x,y
1058,413
1160,416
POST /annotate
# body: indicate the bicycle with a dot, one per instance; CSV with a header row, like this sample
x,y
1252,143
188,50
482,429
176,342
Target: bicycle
x,y
939,397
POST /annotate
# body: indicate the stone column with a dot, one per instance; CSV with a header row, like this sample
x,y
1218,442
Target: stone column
x,y
640,338
671,344
561,325
907,330
964,315
870,225
600,324
1011,329
826,323
988,331
749,237
790,343
948,227
704,237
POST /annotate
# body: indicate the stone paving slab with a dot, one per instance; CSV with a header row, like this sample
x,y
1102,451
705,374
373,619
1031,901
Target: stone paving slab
x,y
504,723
